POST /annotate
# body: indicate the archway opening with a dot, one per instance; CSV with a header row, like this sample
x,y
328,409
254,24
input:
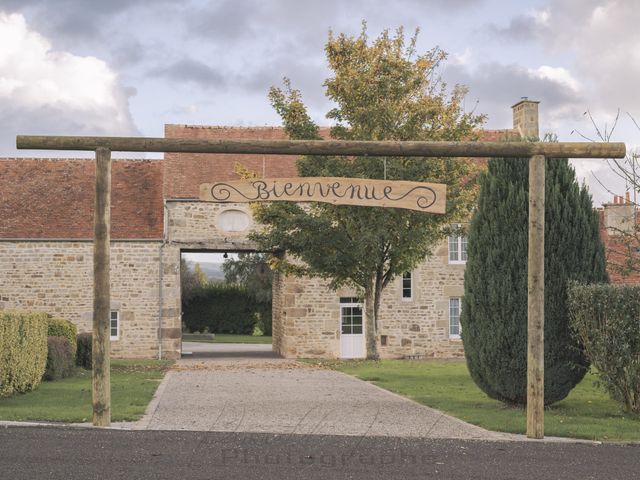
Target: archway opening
x,y
226,304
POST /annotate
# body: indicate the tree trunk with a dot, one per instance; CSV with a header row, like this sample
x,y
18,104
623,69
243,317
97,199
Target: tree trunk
x,y
371,331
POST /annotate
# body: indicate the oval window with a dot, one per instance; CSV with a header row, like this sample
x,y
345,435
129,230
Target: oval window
x,y
233,221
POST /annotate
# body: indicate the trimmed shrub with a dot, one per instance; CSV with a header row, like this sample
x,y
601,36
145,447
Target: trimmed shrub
x,y
264,317
60,360
85,351
221,308
23,351
59,327
606,318
494,306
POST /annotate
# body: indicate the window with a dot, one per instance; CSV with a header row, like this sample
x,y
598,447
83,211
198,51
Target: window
x,y
457,248
407,290
454,317
351,319
114,325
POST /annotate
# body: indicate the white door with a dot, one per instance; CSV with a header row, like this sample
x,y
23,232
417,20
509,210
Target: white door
x,y
351,331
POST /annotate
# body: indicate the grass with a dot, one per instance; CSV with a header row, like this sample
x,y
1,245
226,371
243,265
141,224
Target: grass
x,y
133,383
226,338
587,413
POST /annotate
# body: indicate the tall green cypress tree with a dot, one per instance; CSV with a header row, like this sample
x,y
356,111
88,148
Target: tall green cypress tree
x,y
494,307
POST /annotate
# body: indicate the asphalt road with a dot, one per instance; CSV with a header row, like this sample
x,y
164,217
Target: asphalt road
x,y
68,453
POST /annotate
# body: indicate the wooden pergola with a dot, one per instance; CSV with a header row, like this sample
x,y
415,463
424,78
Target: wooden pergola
x,y
535,151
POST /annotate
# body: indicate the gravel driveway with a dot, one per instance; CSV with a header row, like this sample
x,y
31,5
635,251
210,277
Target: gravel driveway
x,y
247,389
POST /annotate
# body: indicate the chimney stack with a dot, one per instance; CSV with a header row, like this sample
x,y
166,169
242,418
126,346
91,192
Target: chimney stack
x,y
525,118
619,216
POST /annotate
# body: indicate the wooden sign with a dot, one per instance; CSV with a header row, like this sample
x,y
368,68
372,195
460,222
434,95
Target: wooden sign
x,y
423,197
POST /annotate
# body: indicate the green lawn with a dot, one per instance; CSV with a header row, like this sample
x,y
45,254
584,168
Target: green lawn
x,y
226,338
586,413
133,383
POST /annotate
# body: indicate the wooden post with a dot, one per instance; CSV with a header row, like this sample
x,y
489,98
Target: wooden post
x,y
535,311
101,291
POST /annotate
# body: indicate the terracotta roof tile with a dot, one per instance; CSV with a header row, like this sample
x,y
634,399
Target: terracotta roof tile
x,y
53,198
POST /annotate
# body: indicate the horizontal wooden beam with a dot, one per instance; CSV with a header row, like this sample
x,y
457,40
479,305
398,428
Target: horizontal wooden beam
x,y
327,147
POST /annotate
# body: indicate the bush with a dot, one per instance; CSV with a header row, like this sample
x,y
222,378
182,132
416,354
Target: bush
x,y
494,308
60,360
59,327
264,321
85,351
606,318
23,351
221,308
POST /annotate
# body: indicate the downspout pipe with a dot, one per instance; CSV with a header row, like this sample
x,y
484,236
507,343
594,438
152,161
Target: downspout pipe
x,y
161,276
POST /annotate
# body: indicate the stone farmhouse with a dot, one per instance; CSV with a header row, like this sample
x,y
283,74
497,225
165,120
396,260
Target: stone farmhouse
x,y
46,231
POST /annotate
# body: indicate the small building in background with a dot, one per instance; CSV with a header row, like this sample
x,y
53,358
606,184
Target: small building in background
x,y
620,233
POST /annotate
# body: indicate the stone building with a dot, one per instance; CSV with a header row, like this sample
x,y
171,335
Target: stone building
x,y
619,230
46,231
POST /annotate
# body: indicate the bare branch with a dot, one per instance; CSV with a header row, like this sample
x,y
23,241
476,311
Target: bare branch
x,y
634,121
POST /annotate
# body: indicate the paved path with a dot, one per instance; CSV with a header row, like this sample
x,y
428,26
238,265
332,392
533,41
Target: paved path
x,y
233,391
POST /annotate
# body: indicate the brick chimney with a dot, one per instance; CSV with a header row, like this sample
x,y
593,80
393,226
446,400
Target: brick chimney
x,y
525,118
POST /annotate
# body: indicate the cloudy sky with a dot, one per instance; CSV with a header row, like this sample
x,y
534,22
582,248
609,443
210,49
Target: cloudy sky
x,y
127,67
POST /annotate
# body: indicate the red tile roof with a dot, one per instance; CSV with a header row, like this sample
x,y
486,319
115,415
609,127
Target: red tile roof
x,y
53,198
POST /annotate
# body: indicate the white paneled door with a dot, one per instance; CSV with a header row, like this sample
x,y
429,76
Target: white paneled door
x,y
351,329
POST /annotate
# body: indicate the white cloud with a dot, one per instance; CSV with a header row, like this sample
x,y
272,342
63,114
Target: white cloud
x,y
541,17
463,58
55,92
556,74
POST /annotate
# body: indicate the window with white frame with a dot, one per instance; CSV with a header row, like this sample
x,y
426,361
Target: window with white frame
x,y
114,325
351,316
457,248
407,286
454,317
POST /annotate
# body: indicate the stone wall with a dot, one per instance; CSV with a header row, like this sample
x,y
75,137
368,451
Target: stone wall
x,y
196,225
310,314
310,319
420,326
171,304
57,277
277,305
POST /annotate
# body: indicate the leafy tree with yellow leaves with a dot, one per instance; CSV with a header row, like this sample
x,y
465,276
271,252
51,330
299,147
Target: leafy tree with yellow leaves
x,y
382,90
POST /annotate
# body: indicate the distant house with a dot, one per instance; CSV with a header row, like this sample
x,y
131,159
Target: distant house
x,y
619,231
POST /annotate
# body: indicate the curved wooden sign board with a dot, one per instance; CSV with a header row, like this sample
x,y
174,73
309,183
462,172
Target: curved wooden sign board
x,y
419,196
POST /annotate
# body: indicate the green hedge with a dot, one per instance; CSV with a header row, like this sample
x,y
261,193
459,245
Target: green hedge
x,y
60,359
606,318
59,327
84,354
222,308
23,351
